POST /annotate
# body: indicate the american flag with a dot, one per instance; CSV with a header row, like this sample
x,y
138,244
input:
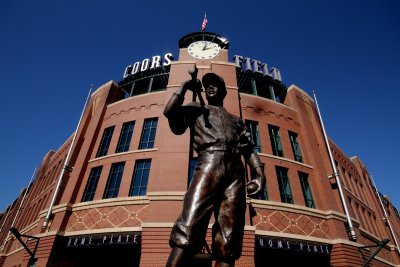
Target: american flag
x,y
204,24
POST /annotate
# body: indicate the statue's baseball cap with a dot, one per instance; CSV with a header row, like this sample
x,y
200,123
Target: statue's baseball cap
x,y
214,79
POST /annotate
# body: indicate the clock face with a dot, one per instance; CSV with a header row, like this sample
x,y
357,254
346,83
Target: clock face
x,y
203,49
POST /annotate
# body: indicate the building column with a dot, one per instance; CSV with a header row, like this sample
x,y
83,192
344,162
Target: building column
x,y
345,255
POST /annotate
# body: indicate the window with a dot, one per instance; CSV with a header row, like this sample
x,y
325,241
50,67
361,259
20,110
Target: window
x,y
140,178
345,181
294,141
141,86
264,89
159,82
192,164
252,126
152,80
105,142
275,140
351,205
114,180
148,133
359,215
261,85
284,185
246,85
305,186
125,137
91,185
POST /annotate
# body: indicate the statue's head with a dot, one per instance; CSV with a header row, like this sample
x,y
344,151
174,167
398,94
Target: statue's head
x,y
215,89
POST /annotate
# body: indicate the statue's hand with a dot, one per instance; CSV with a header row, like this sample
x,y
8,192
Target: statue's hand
x,y
193,85
255,186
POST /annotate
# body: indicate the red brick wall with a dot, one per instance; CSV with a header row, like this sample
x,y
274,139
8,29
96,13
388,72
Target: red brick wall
x,y
155,247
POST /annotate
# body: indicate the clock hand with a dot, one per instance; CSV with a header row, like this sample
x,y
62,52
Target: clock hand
x,y
205,46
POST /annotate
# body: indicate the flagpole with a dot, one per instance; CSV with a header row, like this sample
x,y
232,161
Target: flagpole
x,y
350,231
65,167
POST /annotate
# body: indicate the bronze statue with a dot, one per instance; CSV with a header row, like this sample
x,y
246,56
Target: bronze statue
x,y
218,184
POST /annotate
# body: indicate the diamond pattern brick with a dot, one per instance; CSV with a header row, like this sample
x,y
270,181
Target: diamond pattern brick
x,y
290,222
107,217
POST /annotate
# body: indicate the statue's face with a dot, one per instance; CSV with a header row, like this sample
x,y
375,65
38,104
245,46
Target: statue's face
x,y
214,94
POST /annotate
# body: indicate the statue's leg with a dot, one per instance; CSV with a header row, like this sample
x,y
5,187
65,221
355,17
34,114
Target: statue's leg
x,y
177,258
189,230
228,228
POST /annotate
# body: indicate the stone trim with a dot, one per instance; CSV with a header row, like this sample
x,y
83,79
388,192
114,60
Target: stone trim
x,y
123,153
103,87
103,230
99,204
272,205
136,96
182,62
272,101
29,227
14,251
154,196
157,225
285,159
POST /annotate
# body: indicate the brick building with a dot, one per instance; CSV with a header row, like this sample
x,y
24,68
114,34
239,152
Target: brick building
x,y
126,176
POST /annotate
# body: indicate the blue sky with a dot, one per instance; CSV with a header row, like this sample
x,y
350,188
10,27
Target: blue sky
x,y
51,51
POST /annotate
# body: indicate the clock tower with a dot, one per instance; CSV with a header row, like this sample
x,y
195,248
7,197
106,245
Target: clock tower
x,y
203,46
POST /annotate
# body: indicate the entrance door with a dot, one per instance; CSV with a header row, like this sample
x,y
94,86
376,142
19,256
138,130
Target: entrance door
x,y
105,256
286,258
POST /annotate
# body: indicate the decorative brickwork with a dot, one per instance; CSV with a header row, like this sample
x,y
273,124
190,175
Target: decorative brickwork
x,y
293,223
274,114
107,217
134,109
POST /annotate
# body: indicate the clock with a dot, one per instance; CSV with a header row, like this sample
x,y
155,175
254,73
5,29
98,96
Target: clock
x,y
203,49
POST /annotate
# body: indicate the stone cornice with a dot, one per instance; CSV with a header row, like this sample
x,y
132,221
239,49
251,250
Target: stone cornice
x,y
272,205
124,153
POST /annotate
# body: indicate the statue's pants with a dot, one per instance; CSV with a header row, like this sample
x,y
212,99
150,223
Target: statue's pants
x,y
218,186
